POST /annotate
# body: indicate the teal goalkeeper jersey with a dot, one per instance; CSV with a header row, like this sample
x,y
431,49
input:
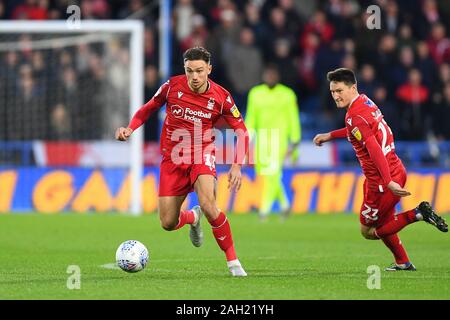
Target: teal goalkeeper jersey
x,y
277,109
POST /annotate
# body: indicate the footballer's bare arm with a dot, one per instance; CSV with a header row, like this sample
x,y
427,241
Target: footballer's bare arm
x,y
234,177
321,138
122,133
398,190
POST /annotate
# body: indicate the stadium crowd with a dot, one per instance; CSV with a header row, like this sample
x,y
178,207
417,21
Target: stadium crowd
x,y
404,66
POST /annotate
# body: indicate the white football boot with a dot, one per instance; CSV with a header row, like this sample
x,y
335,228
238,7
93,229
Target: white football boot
x,y
196,233
236,268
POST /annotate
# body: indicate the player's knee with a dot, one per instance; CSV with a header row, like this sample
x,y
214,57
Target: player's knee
x,y
168,224
368,234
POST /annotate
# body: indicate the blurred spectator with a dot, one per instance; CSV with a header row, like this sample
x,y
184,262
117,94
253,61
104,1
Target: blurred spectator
x,y
442,79
413,97
94,9
151,80
307,62
385,58
399,73
319,25
285,63
150,47
2,10
349,61
244,66
370,44
425,64
222,40
27,119
92,101
183,12
216,11
60,124
405,36
439,44
277,28
331,56
307,8
31,10
116,87
429,15
253,21
198,36
341,13
8,84
441,115
294,20
392,18
367,80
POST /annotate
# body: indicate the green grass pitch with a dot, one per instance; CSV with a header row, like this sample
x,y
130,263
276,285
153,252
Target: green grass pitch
x,y
306,257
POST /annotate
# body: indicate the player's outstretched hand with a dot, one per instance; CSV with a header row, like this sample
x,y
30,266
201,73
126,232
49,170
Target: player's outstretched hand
x,y
320,138
398,190
234,177
122,134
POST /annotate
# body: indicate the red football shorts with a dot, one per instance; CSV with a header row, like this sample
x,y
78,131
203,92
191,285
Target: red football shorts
x,y
179,179
378,207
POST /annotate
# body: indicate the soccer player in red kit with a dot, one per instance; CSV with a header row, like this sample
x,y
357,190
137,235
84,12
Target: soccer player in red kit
x,y
373,142
194,104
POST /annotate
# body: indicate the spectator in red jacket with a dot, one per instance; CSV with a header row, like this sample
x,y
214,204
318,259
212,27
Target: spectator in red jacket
x,y
413,97
31,10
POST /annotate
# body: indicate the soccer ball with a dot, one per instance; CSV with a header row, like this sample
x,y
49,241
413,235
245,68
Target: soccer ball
x,y
132,256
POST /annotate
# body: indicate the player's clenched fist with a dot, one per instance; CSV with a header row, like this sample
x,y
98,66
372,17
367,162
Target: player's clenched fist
x,y
321,138
122,134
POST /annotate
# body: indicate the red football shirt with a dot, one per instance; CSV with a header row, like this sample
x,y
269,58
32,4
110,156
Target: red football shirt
x,y
190,118
363,120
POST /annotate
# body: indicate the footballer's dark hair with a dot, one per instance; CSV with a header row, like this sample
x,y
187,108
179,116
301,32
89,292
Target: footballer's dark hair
x,y
197,53
344,75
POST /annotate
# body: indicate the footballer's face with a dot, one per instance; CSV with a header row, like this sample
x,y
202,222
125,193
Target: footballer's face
x,y
342,93
197,72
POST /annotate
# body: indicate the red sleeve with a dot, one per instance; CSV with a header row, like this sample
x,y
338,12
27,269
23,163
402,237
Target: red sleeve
x,y
378,158
234,118
360,128
151,106
340,133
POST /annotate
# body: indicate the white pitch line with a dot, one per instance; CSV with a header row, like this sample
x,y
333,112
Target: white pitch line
x,y
110,266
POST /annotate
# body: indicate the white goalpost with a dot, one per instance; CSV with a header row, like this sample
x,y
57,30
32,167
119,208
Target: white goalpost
x,y
58,35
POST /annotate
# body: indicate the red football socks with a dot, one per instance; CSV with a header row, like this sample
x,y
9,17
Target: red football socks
x,y
186,217
398,223
395,245
222,232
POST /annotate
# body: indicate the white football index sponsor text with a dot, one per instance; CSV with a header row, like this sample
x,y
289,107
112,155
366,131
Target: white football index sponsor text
x,y
189,114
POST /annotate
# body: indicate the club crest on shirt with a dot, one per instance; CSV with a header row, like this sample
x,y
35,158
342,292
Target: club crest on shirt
x,y
210,105
376,114
370,103
356,133
234,110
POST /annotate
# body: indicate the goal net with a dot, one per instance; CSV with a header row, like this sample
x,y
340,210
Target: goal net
x,y
63,92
